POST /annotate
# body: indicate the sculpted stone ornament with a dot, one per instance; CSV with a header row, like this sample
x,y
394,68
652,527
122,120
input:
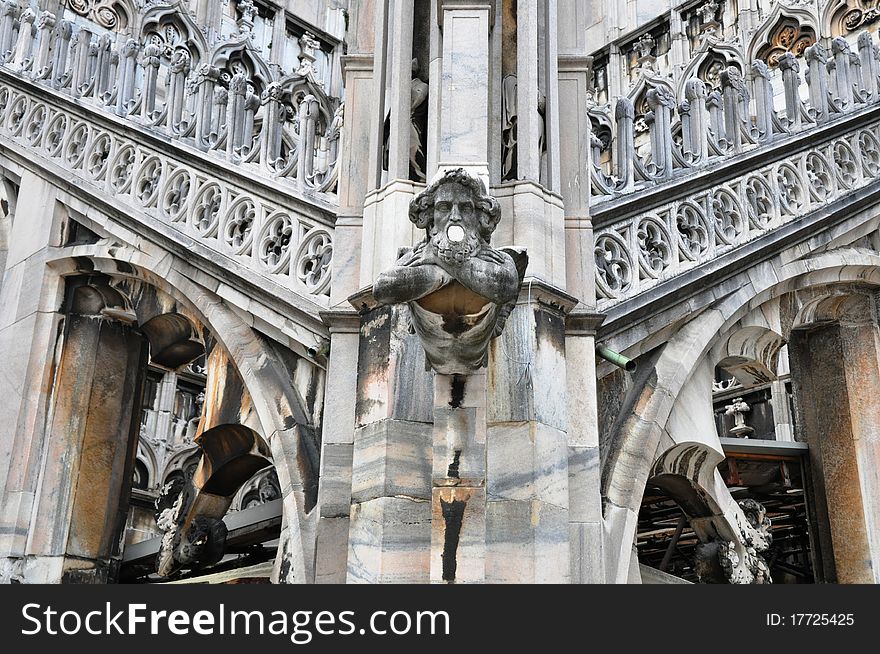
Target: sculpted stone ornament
x,y
199,541
190,511
722,561
459,288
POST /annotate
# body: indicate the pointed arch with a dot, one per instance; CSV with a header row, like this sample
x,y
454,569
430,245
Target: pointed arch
x,y
761,44
710,50
175,14
640,429
265,371
239,52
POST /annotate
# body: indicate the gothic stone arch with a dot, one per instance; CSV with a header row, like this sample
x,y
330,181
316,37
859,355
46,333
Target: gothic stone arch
x,y
641,426
266,372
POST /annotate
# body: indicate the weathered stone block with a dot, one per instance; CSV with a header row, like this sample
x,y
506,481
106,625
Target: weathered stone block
x,y
392,379
526,542
584,482
459,451
390,541
587,564
334,491
527,368
527,461
392,457
331,550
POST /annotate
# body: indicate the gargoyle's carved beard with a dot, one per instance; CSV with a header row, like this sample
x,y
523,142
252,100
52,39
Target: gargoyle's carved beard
x,y
455,251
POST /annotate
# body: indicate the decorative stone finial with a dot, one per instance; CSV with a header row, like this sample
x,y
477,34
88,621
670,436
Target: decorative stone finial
x,y
643,48
738,410
459,288
248,13
308,44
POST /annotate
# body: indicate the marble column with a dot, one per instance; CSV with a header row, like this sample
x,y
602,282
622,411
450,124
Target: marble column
x,y
279,37
381,52
575,161
529,125
386,226
390,516
334,491
527,470
435,66
584,471
358,159
30,297
401,46
82,502
353,176
553,111
835,369
464,103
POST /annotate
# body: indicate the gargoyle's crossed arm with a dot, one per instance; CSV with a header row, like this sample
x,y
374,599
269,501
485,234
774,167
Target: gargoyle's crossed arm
x,y
489,273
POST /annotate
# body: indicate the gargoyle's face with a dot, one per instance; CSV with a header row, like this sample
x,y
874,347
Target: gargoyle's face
x,y
456,222
454,205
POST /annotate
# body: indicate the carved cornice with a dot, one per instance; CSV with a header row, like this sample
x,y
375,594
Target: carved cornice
x,y
463,5
583,323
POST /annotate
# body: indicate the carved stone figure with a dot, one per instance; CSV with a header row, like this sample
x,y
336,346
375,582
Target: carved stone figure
x,y
190,511
726,561
459,288
418,116
738,409
508,128
201,540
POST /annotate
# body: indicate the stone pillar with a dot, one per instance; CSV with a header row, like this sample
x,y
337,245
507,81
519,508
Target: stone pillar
x,y
434,85
584,471
458,505
381,52
30,296
574,153
82,502
552,111
527,485
585,505
835,374
782,418
279,37
464,103
360,92
529,125
334,491
390,530
401,27
386,227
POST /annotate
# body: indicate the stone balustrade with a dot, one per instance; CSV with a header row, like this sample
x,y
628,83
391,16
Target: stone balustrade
x,y
251,175
679,226
706,126
720,176
276,234
285,127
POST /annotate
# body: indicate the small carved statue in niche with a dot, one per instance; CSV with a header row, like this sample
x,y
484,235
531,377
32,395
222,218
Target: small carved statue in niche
x,y
508,128
509,164
459,288
418,117
418,124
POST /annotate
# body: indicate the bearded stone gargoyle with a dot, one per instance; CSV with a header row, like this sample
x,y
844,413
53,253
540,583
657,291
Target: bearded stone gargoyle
x,y
459,288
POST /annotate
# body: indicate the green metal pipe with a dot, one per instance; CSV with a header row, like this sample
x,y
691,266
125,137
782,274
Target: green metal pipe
x,y
616,358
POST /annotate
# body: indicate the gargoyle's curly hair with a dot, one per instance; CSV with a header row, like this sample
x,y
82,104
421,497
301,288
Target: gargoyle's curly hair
x,y
421,209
